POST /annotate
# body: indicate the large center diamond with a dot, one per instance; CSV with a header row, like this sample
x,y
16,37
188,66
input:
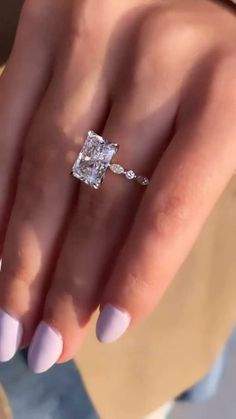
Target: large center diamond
x,y
94,159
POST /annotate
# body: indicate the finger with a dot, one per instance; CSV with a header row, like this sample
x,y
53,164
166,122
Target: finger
x,y
46,191
21,86
99,227
190,177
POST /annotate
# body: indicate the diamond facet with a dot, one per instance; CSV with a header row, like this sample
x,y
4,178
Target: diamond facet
x,y
117,168
94,159
130,174
143,180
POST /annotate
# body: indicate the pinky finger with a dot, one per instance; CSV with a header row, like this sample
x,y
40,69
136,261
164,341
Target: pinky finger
x,y
191,176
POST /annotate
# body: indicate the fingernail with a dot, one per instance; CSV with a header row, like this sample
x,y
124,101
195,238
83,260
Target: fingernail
x,y
11,332
111,324
45,348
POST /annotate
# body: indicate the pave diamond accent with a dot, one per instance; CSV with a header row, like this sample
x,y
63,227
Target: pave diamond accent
x,y
143,180
94,159
117,168
130,175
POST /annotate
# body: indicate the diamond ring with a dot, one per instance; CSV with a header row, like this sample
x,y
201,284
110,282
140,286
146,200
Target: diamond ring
x,y
95,158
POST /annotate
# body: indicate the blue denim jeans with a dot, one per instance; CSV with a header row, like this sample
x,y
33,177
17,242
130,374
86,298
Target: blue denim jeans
x,y
56,394
208,386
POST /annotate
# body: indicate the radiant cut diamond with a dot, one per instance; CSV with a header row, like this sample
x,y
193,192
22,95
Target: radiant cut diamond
x,y
117,168
94,159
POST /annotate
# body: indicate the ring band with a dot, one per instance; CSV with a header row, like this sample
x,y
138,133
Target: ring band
x,y
96,157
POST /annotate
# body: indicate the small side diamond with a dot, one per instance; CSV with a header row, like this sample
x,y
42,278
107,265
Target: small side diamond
x,y
130,175
142,180
117,168
91,133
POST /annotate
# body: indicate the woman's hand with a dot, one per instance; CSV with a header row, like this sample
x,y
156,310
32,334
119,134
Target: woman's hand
x,y
159,79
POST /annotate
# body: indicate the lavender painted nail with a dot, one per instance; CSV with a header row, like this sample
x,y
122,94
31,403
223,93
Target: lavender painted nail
x,y
45,348
111,324
11,332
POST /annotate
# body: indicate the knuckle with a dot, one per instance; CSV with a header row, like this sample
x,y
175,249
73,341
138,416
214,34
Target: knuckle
x,y
171,214
170,29
170,26
75,290
180,33
96,210
81,26
225,67
48,152
18,276
34,12
137,283
34,170
83,23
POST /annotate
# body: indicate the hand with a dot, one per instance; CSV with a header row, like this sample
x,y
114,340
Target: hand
x,y
159,79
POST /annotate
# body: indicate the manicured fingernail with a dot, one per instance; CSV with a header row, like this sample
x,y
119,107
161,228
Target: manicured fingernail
x,y
11,332
45,348
111,324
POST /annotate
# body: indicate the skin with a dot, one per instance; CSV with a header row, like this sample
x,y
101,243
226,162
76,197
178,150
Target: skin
x,y
158,77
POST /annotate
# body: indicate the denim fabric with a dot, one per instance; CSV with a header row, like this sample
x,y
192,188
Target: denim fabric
x,y
56,394
208,386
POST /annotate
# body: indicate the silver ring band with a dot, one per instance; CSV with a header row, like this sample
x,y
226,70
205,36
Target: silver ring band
x,y
95,158
129,174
